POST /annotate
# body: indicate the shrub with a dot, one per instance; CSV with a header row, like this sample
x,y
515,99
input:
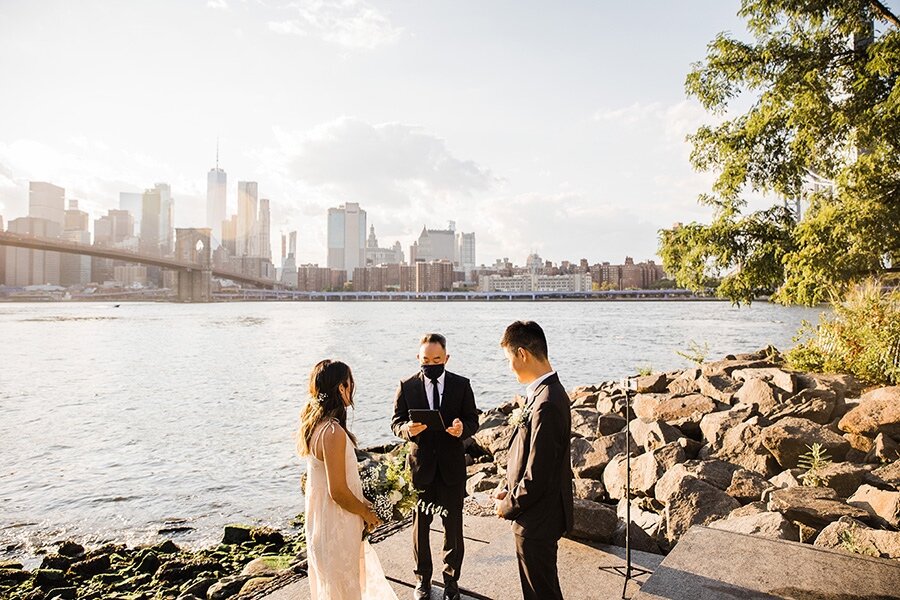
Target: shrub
x,y
861,336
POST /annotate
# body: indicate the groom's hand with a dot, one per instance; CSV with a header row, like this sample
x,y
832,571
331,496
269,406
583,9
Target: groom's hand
x,y
415,429
456,428
499,497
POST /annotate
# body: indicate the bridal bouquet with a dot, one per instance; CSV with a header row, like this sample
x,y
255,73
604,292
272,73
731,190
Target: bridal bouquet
x,y
387,484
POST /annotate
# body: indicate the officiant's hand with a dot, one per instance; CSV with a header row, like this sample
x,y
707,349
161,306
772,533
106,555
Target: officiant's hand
x,y
415,429
456,429
498,497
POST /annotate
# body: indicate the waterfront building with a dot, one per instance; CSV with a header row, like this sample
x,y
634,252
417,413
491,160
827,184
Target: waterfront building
x,y
434,276
626,276
435,244
534,282
289,259
26,267
382,256
466,244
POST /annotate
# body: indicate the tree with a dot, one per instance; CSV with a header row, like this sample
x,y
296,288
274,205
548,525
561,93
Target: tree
x,y
822,80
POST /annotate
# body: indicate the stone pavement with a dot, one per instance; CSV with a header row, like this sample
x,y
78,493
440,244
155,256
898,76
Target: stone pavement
x,y
490,571
711,564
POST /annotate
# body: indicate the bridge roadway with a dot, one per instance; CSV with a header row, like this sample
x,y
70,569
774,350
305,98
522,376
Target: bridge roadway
x,y
56,245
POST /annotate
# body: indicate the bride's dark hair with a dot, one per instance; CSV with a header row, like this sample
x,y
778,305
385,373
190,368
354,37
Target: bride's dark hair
x,y
325,402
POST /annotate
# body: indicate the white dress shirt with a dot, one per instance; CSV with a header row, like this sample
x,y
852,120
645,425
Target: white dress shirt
x,y
531,387
429,389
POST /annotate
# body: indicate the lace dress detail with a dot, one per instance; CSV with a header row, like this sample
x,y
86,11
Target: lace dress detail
x,y
341,565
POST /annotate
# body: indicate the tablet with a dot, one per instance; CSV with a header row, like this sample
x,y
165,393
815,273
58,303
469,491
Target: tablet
x,y
432,418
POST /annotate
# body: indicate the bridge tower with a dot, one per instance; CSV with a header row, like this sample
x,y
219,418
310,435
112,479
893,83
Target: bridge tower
x,y
193,245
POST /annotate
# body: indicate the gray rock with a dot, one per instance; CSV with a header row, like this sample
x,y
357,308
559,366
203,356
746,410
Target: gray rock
x,y
684,412
730,365
685,383
651,435
850,535
747,486
198,588
590,458
791,437
695,502
649,384
878,412
766,524
226,587
786,479
881,504
784,380
236,534
494,439
255,585
594,521
884,449
589,489
815,405
844,478
742,445
643,513
814,507
638,538
714,472
584,423
761,394
754,508
718,387
885,476
715,425
481,482
644,405
610,424
646,470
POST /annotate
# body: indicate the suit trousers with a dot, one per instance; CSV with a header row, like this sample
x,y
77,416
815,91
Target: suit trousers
x,y
537,568
449,498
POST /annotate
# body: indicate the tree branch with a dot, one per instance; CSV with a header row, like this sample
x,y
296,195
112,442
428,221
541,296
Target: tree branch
x,y
884,12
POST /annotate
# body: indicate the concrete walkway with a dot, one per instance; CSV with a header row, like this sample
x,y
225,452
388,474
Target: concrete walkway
x,y
490,570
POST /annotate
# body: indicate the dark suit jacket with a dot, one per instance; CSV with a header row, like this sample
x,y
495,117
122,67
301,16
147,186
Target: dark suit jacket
x,y
539,469
433,451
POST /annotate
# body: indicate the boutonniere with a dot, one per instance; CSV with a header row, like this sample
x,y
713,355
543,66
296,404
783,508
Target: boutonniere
x,y
520,417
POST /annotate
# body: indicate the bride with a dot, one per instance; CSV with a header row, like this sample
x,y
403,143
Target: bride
x,y
341,565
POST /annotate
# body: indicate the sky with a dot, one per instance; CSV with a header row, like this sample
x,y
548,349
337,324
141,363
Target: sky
x,y
556,127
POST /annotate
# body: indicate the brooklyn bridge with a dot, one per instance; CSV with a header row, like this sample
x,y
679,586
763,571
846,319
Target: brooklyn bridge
x,y
192,260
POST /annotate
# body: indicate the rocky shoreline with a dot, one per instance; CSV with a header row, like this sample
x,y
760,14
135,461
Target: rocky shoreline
x,y
725,444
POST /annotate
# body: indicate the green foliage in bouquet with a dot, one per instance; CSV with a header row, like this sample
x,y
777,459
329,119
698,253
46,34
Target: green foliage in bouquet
x,y
388,485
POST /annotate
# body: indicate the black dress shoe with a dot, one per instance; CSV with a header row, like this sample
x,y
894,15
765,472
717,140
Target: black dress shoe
x,y
422,591
451,590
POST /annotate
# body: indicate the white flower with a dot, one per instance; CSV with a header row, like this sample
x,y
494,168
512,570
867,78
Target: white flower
x,y
519,417
395,496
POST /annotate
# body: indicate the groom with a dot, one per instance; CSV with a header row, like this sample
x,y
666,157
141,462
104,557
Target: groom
x,y
538,494
436,458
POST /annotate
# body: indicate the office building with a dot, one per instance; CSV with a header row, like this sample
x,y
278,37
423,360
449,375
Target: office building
x,y
133,202
247,234
216,201
435,244
75,269
535,282
346,237
381,256
434,276
33,267
466,243
264,243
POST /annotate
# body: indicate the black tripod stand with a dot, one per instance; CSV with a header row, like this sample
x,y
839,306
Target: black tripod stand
x,y
629,386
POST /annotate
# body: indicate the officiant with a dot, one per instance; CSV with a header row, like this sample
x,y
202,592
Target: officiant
x,y
436,457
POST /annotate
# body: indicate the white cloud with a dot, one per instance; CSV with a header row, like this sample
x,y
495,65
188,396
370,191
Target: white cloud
x,y
217,4
349,23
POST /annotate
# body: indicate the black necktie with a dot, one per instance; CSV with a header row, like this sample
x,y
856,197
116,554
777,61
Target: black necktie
x,y
436,395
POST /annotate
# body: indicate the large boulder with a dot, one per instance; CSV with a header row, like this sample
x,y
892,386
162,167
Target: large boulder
x,y
761,394
646,470
765,524
589,458
638,539
814,507
496,438
718,387
651,435
651,384
884,449
594,521
610,424
783,380
747,486
714,472
227,587
685,382
695,502
644,513
881,504
843,477
715,425
878,412
584,422
850,535
790,438
589,489
729,365
684,412
645,405
886,476
817,406
742,445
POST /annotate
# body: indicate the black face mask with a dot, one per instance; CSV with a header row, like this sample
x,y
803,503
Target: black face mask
x,y
432,371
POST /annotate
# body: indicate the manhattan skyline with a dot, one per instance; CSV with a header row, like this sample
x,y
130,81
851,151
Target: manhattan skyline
x,y
560,132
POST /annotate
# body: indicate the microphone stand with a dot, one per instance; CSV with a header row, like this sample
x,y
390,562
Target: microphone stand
x,y
629,386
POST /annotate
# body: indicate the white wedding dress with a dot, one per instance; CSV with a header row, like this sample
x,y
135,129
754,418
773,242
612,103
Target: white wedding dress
x,y
341,565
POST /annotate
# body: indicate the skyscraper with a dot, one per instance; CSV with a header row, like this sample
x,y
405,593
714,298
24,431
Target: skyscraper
x,y
133,202
264,245
75,269
216,200
247,236
47,201
346,237
151,222
166,219
467,253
